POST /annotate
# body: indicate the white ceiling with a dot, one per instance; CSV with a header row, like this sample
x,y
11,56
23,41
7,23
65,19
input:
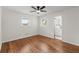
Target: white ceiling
x,y
27,9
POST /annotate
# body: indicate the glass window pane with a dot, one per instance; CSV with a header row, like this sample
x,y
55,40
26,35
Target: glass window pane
x,y
24,20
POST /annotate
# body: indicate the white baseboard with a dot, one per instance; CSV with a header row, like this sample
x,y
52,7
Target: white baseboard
x,y
37,34
63,41
71,43
18,38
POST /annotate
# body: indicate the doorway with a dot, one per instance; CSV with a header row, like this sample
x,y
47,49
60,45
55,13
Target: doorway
x,y
58,27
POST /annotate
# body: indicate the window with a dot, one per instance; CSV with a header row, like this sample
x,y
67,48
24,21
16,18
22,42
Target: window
x,y
24,20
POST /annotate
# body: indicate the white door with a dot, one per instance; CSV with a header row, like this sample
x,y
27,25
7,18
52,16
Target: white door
x,y
58,27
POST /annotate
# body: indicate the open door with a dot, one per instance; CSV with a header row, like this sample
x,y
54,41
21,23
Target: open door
x,y
58,27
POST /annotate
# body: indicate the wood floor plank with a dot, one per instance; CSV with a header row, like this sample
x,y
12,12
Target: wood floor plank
x,y
38,44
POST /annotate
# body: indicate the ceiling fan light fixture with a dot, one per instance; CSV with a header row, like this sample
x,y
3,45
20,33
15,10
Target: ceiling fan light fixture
x,y
38,11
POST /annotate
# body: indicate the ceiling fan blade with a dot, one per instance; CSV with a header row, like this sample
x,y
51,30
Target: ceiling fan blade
x,y
34,7
32,11
42,7
38,7
43,11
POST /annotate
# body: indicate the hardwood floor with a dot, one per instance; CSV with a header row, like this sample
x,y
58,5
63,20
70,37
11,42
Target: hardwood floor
x,y
38,44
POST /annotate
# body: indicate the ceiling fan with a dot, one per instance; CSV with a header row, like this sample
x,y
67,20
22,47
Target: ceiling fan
x,y
38,9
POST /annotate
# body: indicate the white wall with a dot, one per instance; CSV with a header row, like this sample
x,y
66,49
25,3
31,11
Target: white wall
x,y
12,28
70,19
0,29
71,26
48,29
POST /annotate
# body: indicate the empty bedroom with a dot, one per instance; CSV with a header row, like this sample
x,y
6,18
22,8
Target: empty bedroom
x,y
39,29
